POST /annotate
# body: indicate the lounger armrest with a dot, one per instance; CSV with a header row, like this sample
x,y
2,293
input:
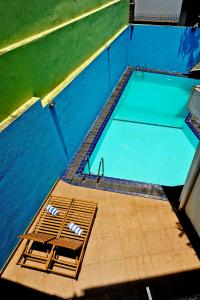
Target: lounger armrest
x,y
66,243
37,237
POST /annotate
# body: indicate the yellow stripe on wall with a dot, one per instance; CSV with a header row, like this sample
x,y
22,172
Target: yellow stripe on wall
x,y
55,28
49,97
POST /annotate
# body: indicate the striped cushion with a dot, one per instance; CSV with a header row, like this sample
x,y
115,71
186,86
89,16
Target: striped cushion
x,y
52,210
75,228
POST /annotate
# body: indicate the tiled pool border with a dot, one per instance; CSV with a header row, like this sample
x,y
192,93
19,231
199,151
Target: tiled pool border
x,y
194,126
74,172
146,69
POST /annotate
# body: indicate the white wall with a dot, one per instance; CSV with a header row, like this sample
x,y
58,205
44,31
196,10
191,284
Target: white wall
x,y
192,207
190,196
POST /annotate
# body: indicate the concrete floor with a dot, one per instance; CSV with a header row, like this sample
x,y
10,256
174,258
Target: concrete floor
x,y
133,240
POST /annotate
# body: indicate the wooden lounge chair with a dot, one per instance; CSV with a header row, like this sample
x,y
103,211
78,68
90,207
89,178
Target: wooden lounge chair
x,y
36,251
69,249
52,246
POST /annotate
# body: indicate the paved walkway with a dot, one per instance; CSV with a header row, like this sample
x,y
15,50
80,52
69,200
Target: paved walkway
x,y
134,240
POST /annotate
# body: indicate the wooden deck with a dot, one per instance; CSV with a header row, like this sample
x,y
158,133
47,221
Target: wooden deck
x,y
133,239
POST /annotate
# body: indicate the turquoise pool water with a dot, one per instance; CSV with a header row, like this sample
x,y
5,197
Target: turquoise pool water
x,y
146,138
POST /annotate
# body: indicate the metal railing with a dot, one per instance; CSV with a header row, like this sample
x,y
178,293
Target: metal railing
x,y
155,17
100,169
87,159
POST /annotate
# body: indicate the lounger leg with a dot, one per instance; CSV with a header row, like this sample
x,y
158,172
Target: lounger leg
x,y
51,254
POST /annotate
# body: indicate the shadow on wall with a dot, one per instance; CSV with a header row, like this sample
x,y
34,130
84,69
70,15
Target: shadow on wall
x,y
59,130
189,48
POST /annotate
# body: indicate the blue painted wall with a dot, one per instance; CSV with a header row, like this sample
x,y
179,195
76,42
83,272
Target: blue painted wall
x,y
118,57
31,160
37,147
168,48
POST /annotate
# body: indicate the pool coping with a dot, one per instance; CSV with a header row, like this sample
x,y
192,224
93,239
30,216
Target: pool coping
x,y
193,125
74,172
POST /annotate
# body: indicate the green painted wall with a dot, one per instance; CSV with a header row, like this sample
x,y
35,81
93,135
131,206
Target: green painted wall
x,y
22,18
37,68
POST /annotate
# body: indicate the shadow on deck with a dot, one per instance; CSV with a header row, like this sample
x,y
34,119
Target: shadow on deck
x,y
180,286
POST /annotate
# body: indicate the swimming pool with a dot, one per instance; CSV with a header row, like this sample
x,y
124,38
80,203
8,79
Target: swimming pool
x,y
146,138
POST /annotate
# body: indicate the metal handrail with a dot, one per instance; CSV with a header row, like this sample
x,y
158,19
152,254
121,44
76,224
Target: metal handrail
x,y
88,163
101,166
87,159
